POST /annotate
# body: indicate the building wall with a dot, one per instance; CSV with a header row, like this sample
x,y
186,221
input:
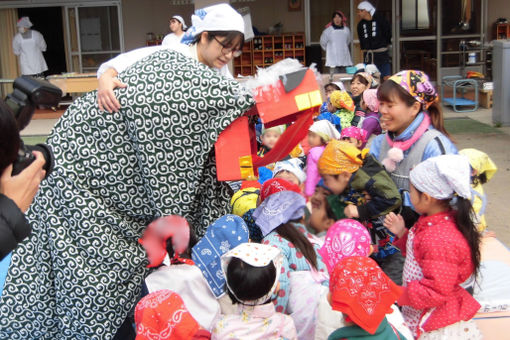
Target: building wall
x,y
497,9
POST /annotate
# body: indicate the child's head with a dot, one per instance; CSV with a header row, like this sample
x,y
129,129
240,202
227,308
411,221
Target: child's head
x,y
440,182
337,163
290,170
270,136
359,289
321,132
482,167
345,238
276,185
162,313
341,100
330,87
224,234
244,200
355,136
167,235
322,216
252,273
360,82
403,97
369,101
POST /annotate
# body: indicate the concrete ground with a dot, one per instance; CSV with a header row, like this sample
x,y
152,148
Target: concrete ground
x,y
470,129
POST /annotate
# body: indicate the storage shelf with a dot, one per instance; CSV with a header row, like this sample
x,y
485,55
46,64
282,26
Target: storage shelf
x,y
265,50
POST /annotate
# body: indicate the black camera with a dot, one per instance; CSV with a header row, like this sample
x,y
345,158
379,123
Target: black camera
x,y
28,94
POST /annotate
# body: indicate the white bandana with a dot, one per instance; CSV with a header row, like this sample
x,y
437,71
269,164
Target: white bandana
x,y
256,255
325,129
443,176
293,166
367,6
24,22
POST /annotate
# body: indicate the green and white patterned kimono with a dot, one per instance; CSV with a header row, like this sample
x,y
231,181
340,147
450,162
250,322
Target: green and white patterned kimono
x,y
79,273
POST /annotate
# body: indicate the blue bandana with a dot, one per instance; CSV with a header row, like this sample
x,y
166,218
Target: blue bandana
x,y
224,234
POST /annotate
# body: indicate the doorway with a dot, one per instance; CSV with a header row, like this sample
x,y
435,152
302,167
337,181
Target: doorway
x,y
48,21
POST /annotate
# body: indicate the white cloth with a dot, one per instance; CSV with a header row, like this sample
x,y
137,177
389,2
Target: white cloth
x,y
220,17
367,6
181,20
24,22
171,39
325,129
293,166
336,44
465,330
30,52
443,176
187,281
124,60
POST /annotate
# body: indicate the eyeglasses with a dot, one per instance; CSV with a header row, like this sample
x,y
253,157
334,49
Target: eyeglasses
x,y
227,50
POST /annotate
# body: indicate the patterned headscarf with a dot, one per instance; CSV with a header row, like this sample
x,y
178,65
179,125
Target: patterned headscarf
x,y
278,209
220,17
370,99
275,185
224,234
244,200
417,84
325,130
341,99
443,176
256,255
344,238
293,166
354,132
163,315
158,232
360,289
339,156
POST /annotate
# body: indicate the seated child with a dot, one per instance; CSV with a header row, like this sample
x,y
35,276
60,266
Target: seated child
x,y
360,82
269,137
340,110
252,274
364,295
224,234
482,170
163,315
355,136
330,87
442,251
319,134
351,176
370,104
322,216
181,275
290,170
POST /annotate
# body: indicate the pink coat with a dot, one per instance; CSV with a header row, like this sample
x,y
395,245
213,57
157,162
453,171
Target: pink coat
x,y
312,171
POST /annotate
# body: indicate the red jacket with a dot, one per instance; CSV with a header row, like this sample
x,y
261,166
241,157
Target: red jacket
x,y
444,256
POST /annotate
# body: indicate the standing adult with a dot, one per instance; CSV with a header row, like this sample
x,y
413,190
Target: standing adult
x,y
28,45
335,40
79,273
374,33
177,29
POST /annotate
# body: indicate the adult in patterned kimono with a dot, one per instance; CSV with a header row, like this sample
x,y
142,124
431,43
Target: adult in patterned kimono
x,y
79,273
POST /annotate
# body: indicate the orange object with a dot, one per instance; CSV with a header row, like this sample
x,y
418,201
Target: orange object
x,y
294,98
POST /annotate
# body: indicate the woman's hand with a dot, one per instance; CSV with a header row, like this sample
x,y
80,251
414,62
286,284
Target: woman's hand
x,y
395,224
105,97
22,187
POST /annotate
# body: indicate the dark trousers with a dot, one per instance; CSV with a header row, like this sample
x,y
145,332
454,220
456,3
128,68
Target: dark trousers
x,y
393,266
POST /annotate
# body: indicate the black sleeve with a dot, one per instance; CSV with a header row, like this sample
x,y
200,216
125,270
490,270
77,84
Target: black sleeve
x,y
360,36
13,226
386,31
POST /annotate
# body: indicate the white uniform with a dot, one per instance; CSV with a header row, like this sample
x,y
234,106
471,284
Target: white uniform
x,y
124,60
336,44
171,39
30,51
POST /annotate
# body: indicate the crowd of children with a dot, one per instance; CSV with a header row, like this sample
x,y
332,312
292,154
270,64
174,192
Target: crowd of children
x,y
353,244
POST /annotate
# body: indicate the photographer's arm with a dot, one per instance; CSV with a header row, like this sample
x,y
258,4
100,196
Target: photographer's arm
x,y
16,195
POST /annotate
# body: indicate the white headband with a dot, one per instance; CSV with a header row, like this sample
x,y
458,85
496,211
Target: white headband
x,y
181,20
367,6
443,176
293,166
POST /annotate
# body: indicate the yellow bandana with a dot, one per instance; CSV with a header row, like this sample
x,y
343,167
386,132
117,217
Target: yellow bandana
x,y
339,156
341,99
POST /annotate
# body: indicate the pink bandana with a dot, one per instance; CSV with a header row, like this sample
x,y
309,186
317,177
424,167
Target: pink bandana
x,y
354,132
344,238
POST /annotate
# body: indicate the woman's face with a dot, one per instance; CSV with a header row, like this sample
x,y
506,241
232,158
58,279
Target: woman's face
x,y
357,87
396,116
337,20
175,26
213,54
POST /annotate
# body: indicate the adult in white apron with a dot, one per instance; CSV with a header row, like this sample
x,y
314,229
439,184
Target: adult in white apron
x,y
29,45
